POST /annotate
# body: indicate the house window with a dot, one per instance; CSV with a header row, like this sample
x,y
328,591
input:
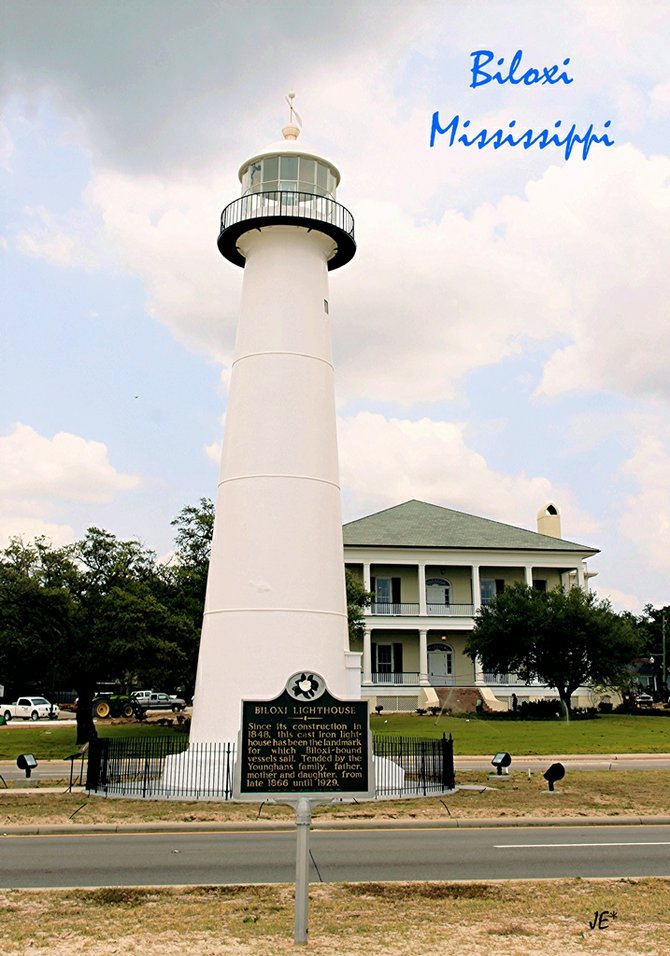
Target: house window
x,y
540,585
489,588
383,590
387,659
387,595
384,655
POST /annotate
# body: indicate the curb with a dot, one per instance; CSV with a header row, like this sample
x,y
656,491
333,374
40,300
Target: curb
x,y
288,827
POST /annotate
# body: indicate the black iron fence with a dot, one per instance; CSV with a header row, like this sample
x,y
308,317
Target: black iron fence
x,y
413,766
171,768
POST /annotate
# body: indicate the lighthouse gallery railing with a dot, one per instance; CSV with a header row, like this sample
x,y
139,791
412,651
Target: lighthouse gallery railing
x,y
290,205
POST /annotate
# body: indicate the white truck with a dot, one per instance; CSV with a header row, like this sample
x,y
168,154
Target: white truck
x,y
29,708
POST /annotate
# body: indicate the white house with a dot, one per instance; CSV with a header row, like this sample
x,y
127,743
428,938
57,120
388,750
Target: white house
x,y
430,569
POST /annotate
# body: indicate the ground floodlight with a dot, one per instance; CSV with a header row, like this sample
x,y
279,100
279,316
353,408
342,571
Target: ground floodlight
x,y
554,773
26,762
500,761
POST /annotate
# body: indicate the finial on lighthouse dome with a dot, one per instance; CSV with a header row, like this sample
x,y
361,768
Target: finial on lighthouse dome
x,y
292,130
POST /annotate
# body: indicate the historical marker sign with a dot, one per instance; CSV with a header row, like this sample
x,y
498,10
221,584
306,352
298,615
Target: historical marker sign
x,y
305,742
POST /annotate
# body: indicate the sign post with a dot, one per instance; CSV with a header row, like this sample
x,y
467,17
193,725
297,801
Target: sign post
x,y
302,748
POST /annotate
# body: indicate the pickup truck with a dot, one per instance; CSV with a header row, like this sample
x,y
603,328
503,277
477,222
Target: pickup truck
x,y
152,700
29,708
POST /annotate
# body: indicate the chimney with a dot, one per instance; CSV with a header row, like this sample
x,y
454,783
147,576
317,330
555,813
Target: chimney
x,y
549,521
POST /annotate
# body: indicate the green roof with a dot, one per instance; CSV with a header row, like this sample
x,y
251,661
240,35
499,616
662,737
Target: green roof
x,y
416,524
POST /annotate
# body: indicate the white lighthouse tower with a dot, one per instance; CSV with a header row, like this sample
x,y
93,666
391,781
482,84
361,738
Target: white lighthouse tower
x,y
276,600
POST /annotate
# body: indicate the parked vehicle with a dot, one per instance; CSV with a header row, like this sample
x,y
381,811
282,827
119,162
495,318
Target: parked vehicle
x,y
153,700
644,700
116,705
30,708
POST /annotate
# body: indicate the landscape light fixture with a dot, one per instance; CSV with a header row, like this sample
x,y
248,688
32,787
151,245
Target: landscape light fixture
x,y
26,762
501,762
554,773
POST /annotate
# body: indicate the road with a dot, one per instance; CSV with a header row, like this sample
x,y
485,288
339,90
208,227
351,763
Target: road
x,y
349,855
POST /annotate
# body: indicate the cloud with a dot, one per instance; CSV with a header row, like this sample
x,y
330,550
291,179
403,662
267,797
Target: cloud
x,y
384,461
77,242
660,100
39,474
6,147
611,258
159,89
425,302
65,466
646,520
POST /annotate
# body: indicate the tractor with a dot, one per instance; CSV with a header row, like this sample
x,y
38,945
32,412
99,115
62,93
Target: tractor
x,y
117,705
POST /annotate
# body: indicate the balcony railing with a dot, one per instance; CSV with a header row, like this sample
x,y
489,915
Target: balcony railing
x,y
394,609
433,610
451,610
507,680
400,677
283,207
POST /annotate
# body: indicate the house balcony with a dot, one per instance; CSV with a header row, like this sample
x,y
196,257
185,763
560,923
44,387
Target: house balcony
x,y
395,610
411,679
510,680
400,678
413,610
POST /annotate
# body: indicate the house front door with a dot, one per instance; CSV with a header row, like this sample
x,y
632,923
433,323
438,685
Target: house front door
x,y
438,596
440,664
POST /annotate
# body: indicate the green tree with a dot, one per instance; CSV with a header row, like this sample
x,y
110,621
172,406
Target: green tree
x,y
357,599
561,638
95,610
34,618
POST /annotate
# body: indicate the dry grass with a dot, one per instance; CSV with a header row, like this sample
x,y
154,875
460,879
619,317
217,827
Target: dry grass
x,y
512,919
581,794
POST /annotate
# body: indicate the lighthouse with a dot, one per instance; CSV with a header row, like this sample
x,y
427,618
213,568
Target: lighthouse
x,y
276,601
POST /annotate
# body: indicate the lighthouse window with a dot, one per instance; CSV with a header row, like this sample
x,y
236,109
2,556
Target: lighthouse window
x,y
321,177
255,177
289,168
307,171
270,169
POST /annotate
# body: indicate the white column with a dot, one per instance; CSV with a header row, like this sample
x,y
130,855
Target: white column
x,y
476,590
367,657
528,575
580,576
479,671
422,590
366,583
423,657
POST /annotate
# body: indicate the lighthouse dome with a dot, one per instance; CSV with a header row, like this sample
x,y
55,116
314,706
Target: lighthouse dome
x,y
289,166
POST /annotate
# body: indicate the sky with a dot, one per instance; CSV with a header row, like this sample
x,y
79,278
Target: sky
x,y
501,338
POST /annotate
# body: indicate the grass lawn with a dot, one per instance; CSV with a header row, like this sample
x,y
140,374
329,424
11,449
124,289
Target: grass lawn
x,y
612,733
378,919
55,743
